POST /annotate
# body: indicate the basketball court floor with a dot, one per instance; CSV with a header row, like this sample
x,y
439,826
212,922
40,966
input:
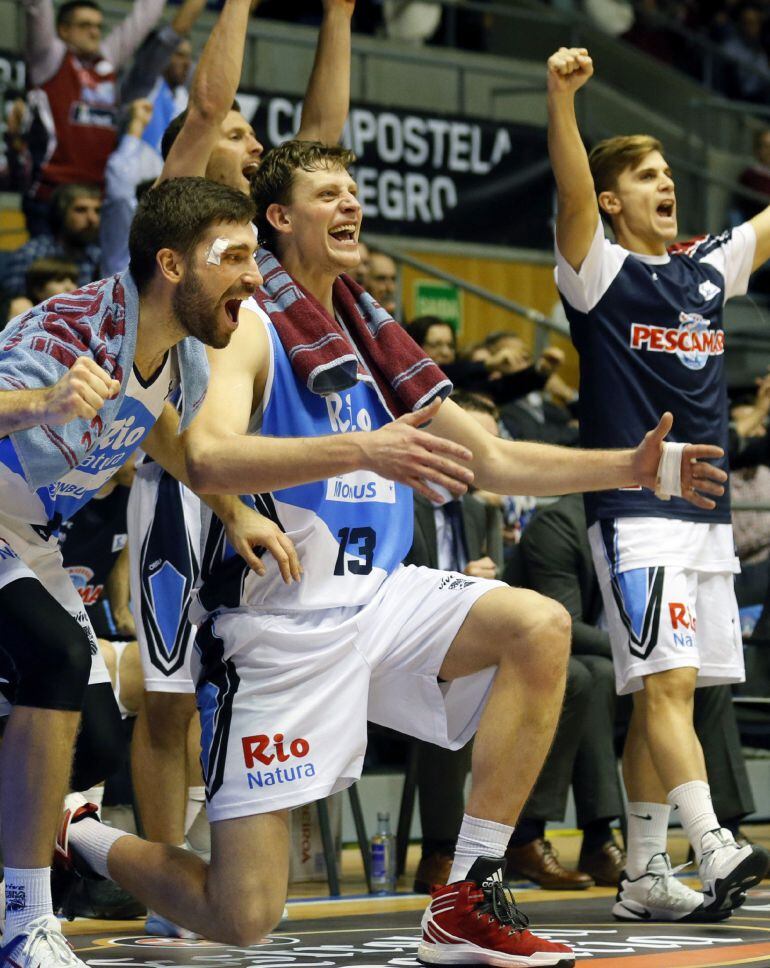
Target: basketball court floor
x,y
358,931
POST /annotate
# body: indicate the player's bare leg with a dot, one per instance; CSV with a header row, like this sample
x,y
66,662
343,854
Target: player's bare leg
x,y
159,770
37,743
527,638
159,764
663,766
674,747
236,899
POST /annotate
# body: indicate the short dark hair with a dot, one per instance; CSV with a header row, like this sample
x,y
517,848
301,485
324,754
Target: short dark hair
x,y
43,271
475,403
418,328
63,196
66,10
175,214
273,182
175,125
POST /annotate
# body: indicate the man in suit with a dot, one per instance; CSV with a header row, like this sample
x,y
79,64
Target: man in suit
x,y
556,561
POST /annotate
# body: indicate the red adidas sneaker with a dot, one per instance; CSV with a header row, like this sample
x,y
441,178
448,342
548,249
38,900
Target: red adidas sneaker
x,y
476,921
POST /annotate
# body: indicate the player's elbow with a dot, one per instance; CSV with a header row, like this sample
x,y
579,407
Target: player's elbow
x,y
201,467
206,110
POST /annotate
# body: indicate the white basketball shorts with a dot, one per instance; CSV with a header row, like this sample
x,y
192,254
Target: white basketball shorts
x,y
285,698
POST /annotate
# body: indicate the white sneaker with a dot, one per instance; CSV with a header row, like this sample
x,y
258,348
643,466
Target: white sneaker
x,y
160,927
44,946
727,870
657,895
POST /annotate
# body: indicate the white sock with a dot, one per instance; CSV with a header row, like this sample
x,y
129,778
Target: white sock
x,y
696,811
196,796
27,896
478,838
647,834
93,841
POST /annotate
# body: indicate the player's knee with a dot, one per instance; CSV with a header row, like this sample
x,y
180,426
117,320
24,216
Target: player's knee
x,y
131,679
250,923
168,713
551,623
670,689
543,656
54,674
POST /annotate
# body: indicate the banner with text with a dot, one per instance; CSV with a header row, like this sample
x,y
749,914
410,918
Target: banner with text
x,y
433,175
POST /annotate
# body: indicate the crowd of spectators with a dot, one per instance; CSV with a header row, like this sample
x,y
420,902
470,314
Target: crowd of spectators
x,y
686,34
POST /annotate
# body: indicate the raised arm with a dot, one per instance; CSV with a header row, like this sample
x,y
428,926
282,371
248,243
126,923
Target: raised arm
x,y
187,16
761,226
43,48
521,467
568,71
153,56
123,40
327,98
222,458
132,162
212,92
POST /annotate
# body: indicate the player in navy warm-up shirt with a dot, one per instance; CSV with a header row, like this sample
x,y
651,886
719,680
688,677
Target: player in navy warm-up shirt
x,y
646,318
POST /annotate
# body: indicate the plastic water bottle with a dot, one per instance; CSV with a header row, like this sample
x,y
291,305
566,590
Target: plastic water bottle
x,y
383,855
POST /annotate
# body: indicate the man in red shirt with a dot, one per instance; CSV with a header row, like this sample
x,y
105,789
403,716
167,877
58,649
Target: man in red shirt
x,y
72,75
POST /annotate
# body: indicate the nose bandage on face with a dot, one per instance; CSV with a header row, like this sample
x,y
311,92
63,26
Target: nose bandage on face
x,y
669,480
217,247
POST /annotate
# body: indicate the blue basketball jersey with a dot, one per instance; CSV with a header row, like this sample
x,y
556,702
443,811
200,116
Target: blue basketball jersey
x,y
58,501
350,531
650,337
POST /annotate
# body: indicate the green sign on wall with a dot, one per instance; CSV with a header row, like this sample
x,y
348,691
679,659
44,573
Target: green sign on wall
x,y
438,299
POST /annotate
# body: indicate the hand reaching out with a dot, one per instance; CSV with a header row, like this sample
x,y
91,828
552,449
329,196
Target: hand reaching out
x,y
699,478
400,451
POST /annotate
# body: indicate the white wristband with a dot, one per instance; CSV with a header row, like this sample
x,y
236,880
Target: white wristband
x,y
669,480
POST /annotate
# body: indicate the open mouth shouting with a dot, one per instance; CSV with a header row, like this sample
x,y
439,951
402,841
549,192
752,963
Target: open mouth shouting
x,y
666,208
232,308
345,234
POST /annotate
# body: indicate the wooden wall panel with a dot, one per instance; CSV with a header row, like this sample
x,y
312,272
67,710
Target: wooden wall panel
x,y
527,283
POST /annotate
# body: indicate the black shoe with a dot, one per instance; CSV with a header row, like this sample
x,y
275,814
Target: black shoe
x,y
86,897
